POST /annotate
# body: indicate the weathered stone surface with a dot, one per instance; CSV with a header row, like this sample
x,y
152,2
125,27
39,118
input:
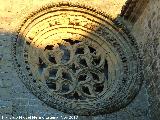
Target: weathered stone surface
x,y
5,107
146,31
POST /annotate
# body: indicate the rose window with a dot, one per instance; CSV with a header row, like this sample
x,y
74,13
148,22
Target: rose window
x,y
77,60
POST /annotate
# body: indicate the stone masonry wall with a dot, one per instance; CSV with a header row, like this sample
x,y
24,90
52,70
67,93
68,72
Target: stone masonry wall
x,y
16,99
147,32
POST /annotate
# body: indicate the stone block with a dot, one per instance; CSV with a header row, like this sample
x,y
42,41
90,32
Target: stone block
x,y
5,107
5,93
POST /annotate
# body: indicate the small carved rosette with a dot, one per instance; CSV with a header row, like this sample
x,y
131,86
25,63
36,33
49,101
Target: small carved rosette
x,y
77,60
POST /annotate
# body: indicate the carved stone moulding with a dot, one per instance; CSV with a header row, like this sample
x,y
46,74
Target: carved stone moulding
x,y
77,60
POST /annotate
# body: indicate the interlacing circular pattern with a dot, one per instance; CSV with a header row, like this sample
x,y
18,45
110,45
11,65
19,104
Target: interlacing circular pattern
x,y
74,69
77,60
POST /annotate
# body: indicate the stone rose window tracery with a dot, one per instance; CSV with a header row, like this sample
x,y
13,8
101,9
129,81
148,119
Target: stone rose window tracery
x,y
77,60
76,69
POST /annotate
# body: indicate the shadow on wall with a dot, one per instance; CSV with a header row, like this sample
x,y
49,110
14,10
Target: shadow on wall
x,y
77,61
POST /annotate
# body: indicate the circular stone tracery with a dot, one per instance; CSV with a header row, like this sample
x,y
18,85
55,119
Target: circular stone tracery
x,y
77,77
77,60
